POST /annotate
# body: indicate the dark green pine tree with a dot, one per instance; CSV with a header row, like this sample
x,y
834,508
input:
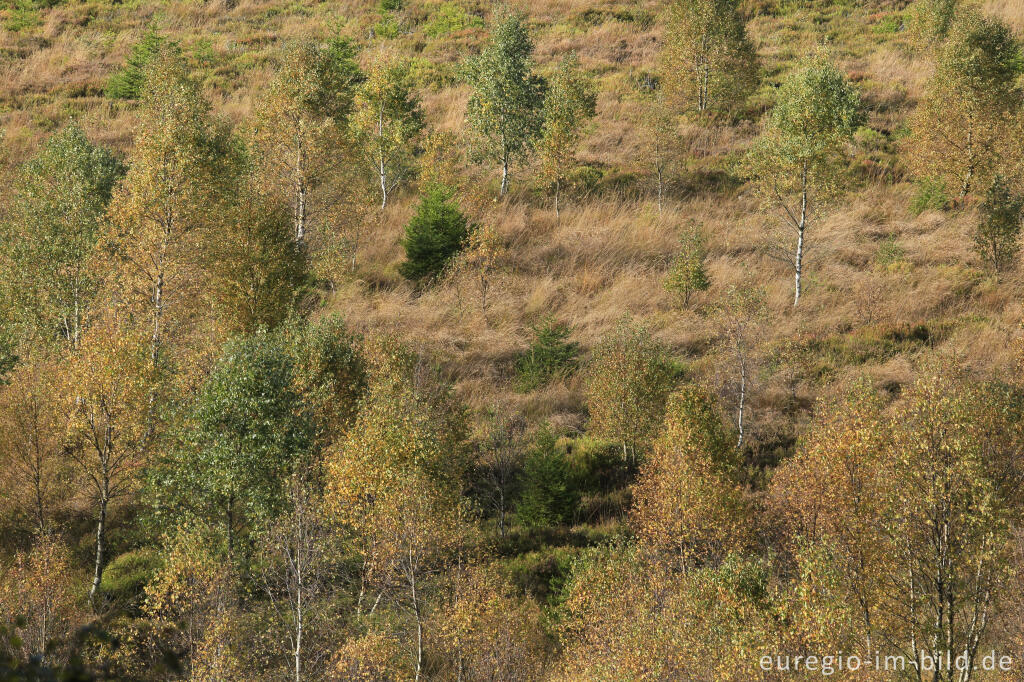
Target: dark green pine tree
x,y
127,83
548,497
437,232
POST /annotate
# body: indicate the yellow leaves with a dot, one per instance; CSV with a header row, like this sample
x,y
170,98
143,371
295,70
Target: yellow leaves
x,y
374,657
395,479
487,630
39,586
686,506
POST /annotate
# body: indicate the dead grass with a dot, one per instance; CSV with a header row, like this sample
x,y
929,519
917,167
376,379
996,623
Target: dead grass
x,y
609,253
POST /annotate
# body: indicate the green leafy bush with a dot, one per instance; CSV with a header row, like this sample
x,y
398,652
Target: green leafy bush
x,y
930,195
688,273
387,27
550,354
890,23
997,237
450,17
22,15
125,578
437,232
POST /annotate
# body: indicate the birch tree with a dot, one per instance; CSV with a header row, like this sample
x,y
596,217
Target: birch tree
x,y
242,438
193,598
952,507
687,505
59,199
386,122
257,273
914,512
109,388
708,64
168,202
797,163
298,132
997,236
295,565
570,102
962,130
659,127
740,318
34,585
830,497
688,272
33,425
626,384
505,107
395,482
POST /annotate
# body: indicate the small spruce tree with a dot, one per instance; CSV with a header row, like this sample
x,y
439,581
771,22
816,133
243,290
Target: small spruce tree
x,y
550,354
128,82
548,496
437,232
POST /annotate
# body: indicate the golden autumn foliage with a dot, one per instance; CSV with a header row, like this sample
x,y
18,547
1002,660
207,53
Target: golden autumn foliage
x,y
626,619
902,518
964,130
688,506
626,386
394,482
192,597
258,426
108,391
169,203
33,423
486,632
36,586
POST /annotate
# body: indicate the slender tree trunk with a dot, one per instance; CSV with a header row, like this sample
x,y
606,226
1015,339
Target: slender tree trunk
x,y
298,630
798,265
37,472
965,186
101,530
300,218
229,521
504,175
558,187
77,321
743,398
300,194
38,482
501,513
158,313
381,165
801,228
660,186
419,618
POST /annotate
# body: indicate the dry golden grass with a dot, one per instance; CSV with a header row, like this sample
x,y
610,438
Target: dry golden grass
x,y
1010,11
608,255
